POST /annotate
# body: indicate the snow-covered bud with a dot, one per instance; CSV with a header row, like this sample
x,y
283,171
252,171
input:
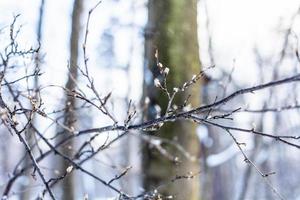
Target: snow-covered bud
x,y
156,54
157,83
253,126
166,71
194,77
175,89
187,108
160,65
69,169
147,100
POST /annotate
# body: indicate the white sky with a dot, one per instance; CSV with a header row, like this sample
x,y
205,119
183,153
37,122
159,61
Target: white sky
x,y
238,26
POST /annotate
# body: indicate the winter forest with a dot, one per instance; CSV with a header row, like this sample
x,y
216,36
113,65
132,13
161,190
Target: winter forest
x,y
149,99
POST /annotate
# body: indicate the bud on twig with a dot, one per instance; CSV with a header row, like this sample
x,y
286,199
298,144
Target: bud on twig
x,y
157,83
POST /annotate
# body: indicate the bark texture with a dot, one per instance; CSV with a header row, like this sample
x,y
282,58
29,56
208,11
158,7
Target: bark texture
x,y
172,29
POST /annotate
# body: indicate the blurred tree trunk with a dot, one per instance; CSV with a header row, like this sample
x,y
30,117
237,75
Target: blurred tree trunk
x,y
172,30
68,186
215,179
30,133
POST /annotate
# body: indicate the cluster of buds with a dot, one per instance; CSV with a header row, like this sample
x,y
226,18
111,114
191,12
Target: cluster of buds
x,y
163,70
194,79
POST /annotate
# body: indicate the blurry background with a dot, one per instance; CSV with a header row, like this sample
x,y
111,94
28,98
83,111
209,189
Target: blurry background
x,y
248,42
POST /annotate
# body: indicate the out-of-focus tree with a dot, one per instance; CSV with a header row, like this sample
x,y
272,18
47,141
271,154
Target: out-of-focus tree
x,y
172,32
68,184
30,133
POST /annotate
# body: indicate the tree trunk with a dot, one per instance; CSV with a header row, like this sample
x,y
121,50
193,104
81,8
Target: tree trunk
x,y
172,30
68,186
30,133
